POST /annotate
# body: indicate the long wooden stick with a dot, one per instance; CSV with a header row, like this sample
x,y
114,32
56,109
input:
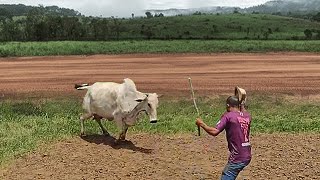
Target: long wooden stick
x,y
194,102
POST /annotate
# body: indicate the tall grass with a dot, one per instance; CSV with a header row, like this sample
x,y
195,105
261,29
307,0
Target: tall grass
x,y
153,46
24,125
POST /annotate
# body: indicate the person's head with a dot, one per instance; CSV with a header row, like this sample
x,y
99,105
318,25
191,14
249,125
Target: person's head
x,y
232,103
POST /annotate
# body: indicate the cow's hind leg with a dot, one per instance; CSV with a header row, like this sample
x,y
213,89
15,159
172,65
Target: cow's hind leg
x,y
82,118
98,120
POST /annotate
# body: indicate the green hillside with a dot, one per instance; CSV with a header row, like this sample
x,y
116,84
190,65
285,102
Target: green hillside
x,y
9,10
229,26
37,26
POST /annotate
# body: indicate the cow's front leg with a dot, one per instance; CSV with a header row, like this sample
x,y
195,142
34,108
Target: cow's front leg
x,y
98,120
122,136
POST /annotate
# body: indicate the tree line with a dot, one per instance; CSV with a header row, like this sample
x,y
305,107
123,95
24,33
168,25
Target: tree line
x,y
11,10
39,25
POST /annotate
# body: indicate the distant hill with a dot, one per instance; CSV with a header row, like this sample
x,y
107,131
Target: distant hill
x,y
208,10
286,6
283,7
10,10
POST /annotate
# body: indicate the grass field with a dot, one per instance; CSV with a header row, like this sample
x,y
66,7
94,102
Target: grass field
x,y
153,46
24,125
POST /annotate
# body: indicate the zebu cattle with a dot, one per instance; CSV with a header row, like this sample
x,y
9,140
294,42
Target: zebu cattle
x,y
120,103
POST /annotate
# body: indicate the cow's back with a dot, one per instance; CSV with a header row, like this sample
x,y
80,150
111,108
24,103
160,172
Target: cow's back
x,y
109,99
101,99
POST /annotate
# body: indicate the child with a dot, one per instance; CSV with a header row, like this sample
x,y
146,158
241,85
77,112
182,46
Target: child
x,y
237,126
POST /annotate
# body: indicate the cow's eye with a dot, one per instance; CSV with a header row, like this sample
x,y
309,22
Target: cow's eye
x,y
149,105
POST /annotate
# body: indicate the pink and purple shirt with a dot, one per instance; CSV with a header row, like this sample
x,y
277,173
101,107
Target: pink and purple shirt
x,y
237,126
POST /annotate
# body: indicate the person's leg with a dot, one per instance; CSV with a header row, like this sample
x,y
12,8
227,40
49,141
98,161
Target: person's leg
x,y
232,170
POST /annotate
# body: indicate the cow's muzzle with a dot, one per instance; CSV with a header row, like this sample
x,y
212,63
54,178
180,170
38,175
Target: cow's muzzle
x,y
154,121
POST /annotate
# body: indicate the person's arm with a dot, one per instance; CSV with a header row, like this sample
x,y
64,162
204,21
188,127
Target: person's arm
x,y
210,130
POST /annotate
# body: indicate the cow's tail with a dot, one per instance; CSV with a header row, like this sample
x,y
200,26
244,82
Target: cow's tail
x,y
81,86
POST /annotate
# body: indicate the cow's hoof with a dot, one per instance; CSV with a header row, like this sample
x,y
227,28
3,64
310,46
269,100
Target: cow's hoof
x,y
106,134
118,141
82,134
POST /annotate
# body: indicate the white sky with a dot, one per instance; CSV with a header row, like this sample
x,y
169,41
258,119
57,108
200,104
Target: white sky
x,y
124,8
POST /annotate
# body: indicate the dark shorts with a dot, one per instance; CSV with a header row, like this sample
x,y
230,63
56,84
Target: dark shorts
x,y
232,170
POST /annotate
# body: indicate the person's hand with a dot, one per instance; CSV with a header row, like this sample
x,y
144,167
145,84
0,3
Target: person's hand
x,y
199,122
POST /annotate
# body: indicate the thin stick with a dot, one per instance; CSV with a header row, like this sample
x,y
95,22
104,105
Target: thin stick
x,y
194,102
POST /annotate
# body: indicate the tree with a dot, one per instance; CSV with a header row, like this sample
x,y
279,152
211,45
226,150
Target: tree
x,y
148,33
308,33
72,28
318,34
159,15
41,31
236,11
266,35
100,29
54,24
117,27
5,13
8,30
197,13
149,14
316,17
215,28
35,27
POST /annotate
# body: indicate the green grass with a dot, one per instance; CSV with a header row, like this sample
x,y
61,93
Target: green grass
x,y
24,125
153,46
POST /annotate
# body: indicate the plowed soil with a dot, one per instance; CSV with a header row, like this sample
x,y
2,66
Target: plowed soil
x,y
148,156
145,156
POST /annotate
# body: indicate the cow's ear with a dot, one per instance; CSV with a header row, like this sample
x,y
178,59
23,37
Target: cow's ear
x,y
140,100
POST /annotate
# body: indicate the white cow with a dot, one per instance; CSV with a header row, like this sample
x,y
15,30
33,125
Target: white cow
x,y
117,102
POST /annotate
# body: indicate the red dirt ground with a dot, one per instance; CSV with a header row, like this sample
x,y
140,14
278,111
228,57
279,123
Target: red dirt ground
x,y
291,73
145,156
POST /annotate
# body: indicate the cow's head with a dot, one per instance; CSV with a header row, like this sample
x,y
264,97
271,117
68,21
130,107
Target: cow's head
x,y
149,104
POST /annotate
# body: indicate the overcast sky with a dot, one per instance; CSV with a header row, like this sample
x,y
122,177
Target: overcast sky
x,y
124,8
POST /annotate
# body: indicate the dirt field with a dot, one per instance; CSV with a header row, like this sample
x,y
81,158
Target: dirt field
x,y
164,74
145,156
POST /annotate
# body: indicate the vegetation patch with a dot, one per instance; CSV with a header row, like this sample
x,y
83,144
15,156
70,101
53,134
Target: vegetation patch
x,y
38,25
153,46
